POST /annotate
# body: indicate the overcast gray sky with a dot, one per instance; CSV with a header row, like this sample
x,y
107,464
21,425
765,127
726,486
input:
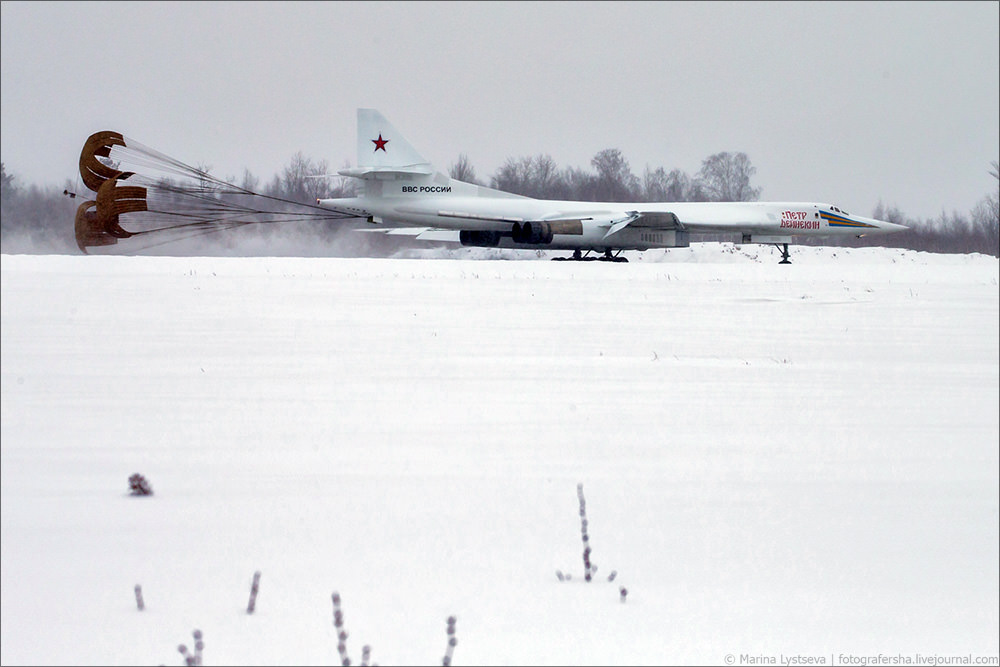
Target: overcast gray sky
x,y
842,102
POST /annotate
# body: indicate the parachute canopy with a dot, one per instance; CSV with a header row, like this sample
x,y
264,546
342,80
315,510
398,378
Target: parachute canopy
x,y
93,171
154,194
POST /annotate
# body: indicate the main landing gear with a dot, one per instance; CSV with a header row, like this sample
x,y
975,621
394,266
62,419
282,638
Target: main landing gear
x,y
608,256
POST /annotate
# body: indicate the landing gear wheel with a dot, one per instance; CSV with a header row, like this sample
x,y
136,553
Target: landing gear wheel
x,y
783,247
578,256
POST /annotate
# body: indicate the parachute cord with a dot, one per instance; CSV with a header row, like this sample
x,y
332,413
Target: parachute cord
x,y
181,198
225,223
205,232
182,168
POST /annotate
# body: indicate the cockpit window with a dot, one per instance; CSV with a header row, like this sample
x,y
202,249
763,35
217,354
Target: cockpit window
x,y
839,210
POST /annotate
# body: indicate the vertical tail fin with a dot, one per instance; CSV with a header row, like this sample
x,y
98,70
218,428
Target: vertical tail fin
x,y
381,146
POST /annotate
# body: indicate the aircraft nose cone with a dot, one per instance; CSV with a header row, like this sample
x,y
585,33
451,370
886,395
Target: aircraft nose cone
x,y
891,226
882,226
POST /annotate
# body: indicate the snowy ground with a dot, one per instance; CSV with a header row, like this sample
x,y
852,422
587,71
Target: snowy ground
x,y
777,460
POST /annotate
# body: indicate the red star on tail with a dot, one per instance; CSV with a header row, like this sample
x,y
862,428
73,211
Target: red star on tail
x,y
380,142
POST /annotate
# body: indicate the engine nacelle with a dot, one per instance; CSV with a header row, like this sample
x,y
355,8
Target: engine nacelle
x,y
534,233
480,239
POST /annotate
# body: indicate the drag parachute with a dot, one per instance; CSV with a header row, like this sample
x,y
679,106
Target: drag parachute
x,y
157,195
89,230
93,171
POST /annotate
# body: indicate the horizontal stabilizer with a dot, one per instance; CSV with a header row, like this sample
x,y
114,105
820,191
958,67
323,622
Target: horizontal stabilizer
x,y
395,231
419,233
423,169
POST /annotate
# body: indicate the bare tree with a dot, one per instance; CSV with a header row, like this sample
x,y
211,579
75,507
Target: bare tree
x,y
344,186
536,176
204,170
615,180
303,180
676,186
726,177
889,214
249,182
654,184
986,216
548,184
7,187
463,170
580,185
514,176
274,188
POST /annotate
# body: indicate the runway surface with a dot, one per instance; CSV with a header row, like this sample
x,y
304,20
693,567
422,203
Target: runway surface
x,y
776,460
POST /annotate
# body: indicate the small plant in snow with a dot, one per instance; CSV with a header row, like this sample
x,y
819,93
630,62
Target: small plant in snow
x,y
254,587
193,658
139,485
452,641
366,650
588,569
138,598
338,622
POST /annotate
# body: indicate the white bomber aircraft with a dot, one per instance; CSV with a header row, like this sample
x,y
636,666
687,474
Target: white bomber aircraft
x,y
404,194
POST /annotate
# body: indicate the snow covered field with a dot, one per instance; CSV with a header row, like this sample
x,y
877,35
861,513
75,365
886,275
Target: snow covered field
x,y
777,460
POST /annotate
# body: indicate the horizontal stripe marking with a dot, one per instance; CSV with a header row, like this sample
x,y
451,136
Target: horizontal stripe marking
x,y
834,220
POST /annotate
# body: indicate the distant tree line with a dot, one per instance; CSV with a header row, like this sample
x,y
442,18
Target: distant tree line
x,y
723,177
978,231
303,181
35,218
41,218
